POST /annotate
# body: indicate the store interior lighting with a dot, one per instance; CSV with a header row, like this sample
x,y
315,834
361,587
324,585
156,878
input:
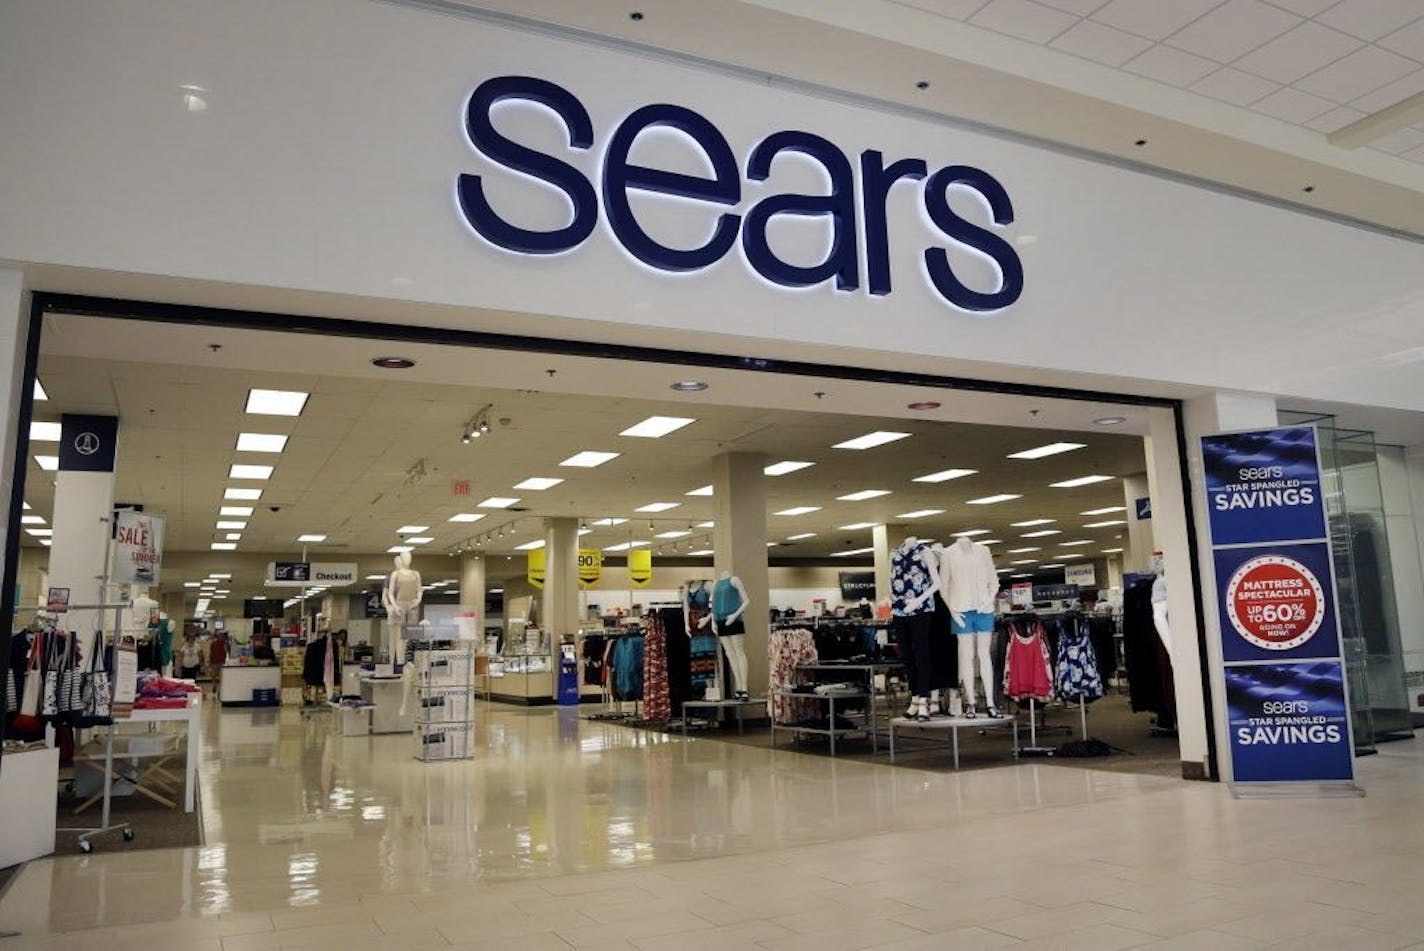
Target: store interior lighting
x,y
479,425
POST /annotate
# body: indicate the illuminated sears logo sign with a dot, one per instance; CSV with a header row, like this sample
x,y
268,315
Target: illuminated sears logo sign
x,y
854,202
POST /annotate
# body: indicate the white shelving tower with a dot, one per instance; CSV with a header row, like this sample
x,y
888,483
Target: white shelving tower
x,y
445,720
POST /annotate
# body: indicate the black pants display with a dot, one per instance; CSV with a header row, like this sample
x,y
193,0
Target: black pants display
x,y
913,634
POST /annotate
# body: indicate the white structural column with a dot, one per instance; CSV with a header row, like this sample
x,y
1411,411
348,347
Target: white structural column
x,y
885,539
83,515
739,543
560,577
1140,541
472,589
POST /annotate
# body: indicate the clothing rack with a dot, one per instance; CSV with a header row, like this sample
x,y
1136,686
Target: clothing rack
x,y
611,708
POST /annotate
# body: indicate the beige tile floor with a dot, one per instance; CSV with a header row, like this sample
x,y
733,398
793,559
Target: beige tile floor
x,y
570,834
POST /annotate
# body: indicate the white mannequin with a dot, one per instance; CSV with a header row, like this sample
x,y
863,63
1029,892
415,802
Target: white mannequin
x,y
920,707
401,597
971,585
1159,611
734,645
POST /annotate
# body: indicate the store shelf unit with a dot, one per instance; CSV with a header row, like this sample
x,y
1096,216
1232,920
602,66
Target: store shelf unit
x,y
445,683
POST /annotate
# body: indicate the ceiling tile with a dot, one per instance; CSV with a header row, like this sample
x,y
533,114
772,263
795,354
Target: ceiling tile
x,y
1154,19
1306,8
1102,44
1397,143
1408,41
1292,105
1080,7
1167,65
954,9
1024,19
1233,29
1415,156
1298,53
1371,19
1397,91
1363,71
1234,86
1336,118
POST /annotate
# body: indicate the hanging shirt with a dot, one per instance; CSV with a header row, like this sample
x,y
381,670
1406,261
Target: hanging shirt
x,y
1027,672
910,580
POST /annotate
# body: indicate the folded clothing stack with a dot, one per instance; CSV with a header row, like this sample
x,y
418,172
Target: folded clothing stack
x,y
156,692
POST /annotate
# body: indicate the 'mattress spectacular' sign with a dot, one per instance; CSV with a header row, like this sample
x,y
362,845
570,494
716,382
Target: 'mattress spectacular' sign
x,y
1280,634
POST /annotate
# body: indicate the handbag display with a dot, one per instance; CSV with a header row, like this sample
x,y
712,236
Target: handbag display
x,y
28,718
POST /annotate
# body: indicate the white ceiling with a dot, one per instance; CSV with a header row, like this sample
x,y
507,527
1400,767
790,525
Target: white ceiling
x,y
346,469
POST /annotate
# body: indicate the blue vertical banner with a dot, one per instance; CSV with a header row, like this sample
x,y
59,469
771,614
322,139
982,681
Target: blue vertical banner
x,y
1287,704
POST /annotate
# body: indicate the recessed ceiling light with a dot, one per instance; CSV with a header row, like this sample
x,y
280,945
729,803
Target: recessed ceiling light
x,y
375,577
25,506
624,546
673,534
393,363
1105,524
241,511
233,536
801,537
946,474
989,541
239,471
44,432
858,526
40,393
1069,554
40,532
276,402
920,513
1022,574
1023,551
870,440
46,542
970,533
656,427
419,540
231,526
994,499
466,517
1025,561
708,524
689,386
311,538
589,459
1052,449
498,502
610,521
223,546
398,549
242,495
704,490
853,551
1080,481
221,576
48,463
800,510
863,495
32,520
657,507
527,546
1112,551
702,552
585,531
923,405
192,584
1110,420
1055,565
782,468
1041,533
261,442
1084,541
1033,521
1105,511
412,529
538,483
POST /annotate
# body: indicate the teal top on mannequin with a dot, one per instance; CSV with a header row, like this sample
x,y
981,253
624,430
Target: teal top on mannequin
x,y
162,631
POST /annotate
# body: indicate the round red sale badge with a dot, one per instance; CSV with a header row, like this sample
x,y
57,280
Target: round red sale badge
x,y
1275,603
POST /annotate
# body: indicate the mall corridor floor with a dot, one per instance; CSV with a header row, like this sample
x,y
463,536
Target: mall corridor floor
x,y
566,833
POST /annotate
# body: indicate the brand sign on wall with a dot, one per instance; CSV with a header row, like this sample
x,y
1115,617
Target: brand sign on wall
x,y
138,547
1083,575
1287,701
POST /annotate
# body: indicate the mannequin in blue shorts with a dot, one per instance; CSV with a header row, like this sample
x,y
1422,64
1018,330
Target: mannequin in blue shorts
x,y
971,583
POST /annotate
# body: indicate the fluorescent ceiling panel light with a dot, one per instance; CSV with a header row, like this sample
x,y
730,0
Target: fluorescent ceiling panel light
x,y
588,459
994,499
412,529
40,532
801,537
228,525
242,495
46,542
1112,551
705,490
466,517
624,546
419,540
223,576
1023,551
772,544
32,520
398,549
276,402
240,511
311,538
223,546
656,427
1054,565
233,536
44,432
1069,554
538,483
863,495
528,546
1085,541
657,507
800,510
1023,574
706,525
40,393
920,513
25,506
970,533
946,474
1052,449
858,526
1033,521
240,471
675,534
1080,481
375,577
786,466
610,521
989,541
853,551
261,442
702,552
1109,510
585,531
1041,533
1025,561
48,463
192,584
870,440
497,502
1106,524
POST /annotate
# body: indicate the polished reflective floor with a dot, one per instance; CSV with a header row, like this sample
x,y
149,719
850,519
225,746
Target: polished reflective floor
x,y
569,833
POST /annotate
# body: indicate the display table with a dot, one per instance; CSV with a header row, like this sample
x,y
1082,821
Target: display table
x,y
384,695
236,683
27,822
713,710
951,725
190,715
830,730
